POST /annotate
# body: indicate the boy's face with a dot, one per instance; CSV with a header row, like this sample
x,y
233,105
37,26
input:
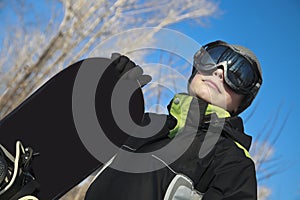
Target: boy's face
x,y
212,88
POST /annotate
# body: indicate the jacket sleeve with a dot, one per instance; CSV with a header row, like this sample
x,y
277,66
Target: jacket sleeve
x,y
234,178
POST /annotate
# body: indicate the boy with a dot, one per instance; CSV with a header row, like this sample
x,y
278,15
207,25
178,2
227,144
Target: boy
x,y
216,163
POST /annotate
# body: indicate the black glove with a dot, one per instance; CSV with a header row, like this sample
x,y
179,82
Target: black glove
x,y
127,69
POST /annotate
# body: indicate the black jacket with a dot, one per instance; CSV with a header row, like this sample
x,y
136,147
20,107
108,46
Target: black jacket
x,y
196,142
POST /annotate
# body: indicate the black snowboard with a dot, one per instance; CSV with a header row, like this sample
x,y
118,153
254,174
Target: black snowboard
x,y
44,121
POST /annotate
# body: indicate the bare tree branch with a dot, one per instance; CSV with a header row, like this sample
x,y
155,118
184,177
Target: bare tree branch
x,y
85,23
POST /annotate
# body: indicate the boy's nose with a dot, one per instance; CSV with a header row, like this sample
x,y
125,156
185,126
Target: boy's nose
x,y
219,72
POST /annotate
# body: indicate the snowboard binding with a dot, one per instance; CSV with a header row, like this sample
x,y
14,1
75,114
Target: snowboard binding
x,y
17,181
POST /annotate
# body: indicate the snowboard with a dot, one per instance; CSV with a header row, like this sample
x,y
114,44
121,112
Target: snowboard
x,y
45,122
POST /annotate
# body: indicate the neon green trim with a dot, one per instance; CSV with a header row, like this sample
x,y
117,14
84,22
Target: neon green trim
x,y
179,109
221,113
247,154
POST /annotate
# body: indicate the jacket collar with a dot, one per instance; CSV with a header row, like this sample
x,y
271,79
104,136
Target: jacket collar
x,y
189,110
234,129
192,111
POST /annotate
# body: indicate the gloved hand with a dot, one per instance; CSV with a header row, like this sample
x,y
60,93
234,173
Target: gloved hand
x,y
127,69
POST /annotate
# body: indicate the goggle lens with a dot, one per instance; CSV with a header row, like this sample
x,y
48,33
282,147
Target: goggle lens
x,y
241,75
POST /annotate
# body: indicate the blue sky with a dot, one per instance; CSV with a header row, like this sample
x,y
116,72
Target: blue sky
x,y
271,29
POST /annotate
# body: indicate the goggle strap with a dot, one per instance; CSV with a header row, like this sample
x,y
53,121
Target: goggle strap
x,y
215,43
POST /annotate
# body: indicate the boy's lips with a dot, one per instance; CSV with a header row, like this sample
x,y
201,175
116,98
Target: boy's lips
x,y
212,84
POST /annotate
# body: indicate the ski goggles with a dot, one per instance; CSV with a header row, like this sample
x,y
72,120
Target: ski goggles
x,y
240,72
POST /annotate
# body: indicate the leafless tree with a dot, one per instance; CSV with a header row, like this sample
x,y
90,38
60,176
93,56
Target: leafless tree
x,y
30,57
